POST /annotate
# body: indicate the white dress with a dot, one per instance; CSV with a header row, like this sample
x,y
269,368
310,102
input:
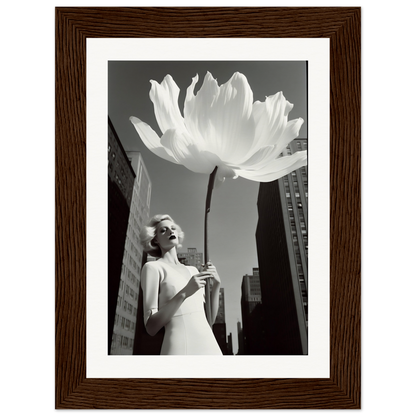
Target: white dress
x,y
188,332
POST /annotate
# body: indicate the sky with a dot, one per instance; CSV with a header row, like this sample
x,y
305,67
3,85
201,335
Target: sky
x,y
180,192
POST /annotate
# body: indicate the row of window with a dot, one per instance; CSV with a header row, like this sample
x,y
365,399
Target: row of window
x,y
125,271
124,323
129,260
120,341
302,223
128,290
128,307
131,232
130,245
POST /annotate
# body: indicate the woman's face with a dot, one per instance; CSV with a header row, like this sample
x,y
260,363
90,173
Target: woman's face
x,y
167,234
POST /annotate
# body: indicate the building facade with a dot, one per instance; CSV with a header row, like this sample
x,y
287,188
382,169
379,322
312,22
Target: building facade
x,y
125,320
192,258
282,248
121,178
230,350
219,327
250,304
250,292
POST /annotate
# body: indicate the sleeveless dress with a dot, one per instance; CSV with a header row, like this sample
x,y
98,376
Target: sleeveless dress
x,y
188,332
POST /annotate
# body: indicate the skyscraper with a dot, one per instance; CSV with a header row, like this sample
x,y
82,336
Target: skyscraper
x,y
250,303
120,189
126,313
282,248
250,292
192,258
219,326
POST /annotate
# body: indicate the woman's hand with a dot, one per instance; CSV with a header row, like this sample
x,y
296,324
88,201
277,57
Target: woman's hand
x,y
196,282
210,268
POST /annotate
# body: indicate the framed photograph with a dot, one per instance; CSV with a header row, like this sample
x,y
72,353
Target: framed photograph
x,y
104,58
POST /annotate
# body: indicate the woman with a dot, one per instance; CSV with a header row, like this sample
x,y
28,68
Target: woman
x,y
173,294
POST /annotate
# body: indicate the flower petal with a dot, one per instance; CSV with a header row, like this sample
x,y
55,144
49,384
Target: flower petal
x,y
261,158
266,154
291,132
151,139
277,169
231,116
165,99
186,152
222,116
197,111
271,119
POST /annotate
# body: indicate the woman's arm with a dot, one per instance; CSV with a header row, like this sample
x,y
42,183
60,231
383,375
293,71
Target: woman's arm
x,y
215,291
156,318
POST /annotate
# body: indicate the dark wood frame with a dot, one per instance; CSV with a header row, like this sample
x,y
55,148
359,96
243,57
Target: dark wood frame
x,y
343,389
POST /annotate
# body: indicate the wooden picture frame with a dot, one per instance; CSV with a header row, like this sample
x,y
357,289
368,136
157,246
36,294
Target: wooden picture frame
x,y
342,389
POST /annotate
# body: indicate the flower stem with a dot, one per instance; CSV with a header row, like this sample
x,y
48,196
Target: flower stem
x,y
206,254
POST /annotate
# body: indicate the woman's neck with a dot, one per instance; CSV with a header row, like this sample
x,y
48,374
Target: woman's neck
x,y
170,256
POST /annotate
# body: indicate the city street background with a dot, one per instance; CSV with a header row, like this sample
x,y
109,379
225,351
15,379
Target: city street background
x,y
181,193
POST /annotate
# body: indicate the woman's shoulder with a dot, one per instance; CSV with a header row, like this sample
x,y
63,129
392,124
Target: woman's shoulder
x,y
151,266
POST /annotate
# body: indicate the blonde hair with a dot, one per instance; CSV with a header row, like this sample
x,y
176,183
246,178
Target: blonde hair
x,y
148,234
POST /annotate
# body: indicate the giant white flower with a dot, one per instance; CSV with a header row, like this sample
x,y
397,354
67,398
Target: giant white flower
x,y
222,127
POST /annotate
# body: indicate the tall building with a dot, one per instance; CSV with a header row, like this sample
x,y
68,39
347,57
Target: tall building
x,y
250,304
120,190
240,335
125,321
282,249
192,258
250,292
219,327
230,344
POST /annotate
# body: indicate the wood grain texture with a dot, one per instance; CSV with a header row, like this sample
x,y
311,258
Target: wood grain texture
x,y
342,389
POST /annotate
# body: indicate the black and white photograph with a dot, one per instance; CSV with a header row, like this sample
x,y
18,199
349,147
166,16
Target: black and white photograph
x,y
207,208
